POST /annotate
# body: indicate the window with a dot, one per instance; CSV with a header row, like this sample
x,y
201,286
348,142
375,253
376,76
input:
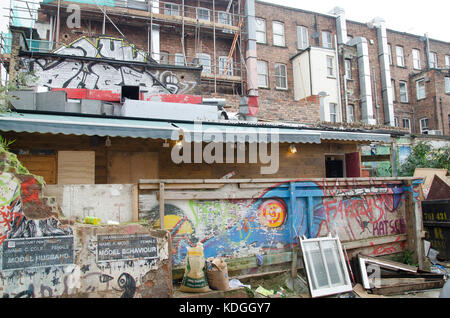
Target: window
x,y
403,92
424,126
325,266
330,65
333,113
406,123
394,92
302,37
205,61
447,61
400,56
263,74
420,89
224,18
416,59
390,55
223,63
203,14
261,31
179,59
447,85
280,76
348,69
433,60
350,114
326,40
171,9
278,34
395,121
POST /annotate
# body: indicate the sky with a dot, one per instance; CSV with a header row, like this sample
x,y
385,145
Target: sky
x,y
412,16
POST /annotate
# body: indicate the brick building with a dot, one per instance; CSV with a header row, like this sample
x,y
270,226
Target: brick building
x,y
305,67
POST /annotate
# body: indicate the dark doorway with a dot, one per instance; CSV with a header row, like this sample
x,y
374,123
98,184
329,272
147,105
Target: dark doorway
x,y
130,92
334,168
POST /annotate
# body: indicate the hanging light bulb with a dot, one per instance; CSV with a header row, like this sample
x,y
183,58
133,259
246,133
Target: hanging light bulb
x,y
293,149
179,143
108,142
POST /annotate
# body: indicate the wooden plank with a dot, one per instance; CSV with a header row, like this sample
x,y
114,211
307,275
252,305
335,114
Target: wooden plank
x,y
400,289
44,166
161,199
129,167
135,196
191,195
181,186
76,167
353,245
379,158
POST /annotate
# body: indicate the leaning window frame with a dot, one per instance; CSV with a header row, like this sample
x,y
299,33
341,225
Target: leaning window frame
x,y
321,292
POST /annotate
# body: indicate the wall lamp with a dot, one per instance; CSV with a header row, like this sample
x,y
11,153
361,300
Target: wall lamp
x,y
292,149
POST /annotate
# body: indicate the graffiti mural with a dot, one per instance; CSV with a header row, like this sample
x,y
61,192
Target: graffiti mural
x,y
284,212
107,75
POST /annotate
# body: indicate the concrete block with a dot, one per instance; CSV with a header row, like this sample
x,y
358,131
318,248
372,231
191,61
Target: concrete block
x,y
107,109
73,107
51,101
23,100
93,107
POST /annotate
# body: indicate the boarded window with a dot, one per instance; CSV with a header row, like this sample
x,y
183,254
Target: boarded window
x,y
76,167
43,166
129,167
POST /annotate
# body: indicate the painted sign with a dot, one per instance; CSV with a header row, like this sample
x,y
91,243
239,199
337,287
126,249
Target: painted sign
x,y
37,252
126,247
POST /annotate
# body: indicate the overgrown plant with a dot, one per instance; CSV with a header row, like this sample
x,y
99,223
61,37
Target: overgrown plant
x,y
24,80
424,156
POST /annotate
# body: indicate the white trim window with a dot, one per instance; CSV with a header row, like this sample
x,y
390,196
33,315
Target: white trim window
x,y
263,74
394,91
403,91
179,59
172,9
224,18
348,69
400,56
278,33
395,121
420,89
406,123
433,60
416,59
204,60
333,113
223,63
350,113
330,65
261,31
424,126
302,37
326,40
447,61
391,62
203,14
447,85
280,76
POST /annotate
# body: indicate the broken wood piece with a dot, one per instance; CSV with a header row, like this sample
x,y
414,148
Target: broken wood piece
x,y
362,293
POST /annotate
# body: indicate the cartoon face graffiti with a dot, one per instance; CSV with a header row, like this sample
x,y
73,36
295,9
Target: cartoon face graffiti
x,y
273,213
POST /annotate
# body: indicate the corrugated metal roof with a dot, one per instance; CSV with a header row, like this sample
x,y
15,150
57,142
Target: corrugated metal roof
x,y
355,136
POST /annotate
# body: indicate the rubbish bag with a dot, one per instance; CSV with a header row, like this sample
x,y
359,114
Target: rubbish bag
x,y
217,274
194,280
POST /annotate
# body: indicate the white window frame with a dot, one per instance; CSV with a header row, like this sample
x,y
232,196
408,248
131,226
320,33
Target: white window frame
x,y
337,258
391,61
433,60
302,37
396,121
327,41
261,30
223,63
350,113
447,85
199,16
334,107
447,61
348,69
279,39
416,59
424,128
179,59
281,77
171,9
330,66
202,58
420,90
404,120
400,53
403,93
394,91
221,19
264,74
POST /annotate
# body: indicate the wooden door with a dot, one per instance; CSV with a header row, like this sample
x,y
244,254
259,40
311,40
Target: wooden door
x,y
130,167
353,165
40,165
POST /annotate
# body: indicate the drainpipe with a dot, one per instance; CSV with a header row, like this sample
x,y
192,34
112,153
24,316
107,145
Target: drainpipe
x,y
338,76
364,79
385,70
250,105
427,50
155,30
